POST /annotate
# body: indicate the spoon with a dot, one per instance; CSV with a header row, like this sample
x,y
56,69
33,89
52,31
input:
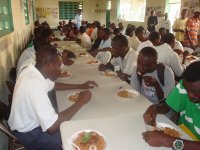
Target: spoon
x,y
74,145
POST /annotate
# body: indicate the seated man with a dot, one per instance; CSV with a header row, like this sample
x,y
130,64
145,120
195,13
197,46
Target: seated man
x,y
67,57
154,81
184,99
133,40
103,53
33,119
167,56
85,40
97,41
124,58
154,40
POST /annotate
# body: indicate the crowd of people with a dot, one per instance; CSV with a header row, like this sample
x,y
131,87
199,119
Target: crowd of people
x,y
146,59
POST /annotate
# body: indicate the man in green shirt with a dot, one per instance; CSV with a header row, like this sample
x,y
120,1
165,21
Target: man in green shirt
x,y
184,99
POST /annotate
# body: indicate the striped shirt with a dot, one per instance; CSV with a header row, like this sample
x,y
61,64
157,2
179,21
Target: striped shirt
x,y
179,101
192,26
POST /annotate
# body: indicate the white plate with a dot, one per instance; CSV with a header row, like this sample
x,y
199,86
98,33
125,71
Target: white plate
x,y
108,73
92,62
71,94
75,135
161,126
67,76
132,93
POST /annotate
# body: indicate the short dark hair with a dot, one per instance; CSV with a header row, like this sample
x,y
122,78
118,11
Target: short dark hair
x,y
129,31
116,31
139,29
45,54
154,36
82,29
149,52
70,54
46,32
40,43
120,40
168,38
106,30
161,29
192,72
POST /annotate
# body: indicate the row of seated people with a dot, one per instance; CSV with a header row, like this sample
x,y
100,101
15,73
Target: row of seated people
x,y
140,67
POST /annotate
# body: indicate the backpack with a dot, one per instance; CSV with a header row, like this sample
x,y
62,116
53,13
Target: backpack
x,y
160,74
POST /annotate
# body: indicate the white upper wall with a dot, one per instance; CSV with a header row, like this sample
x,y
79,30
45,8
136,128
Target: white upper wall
x,y
89,10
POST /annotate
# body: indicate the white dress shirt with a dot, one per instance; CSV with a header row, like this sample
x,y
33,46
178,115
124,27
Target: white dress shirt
x,y
85,40
104,56
167,56
134,42
178,45
26,54
166,24
145,44
31,106
127,64
78,20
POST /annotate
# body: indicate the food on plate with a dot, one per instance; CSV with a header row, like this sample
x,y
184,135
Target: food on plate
x,y
92,62
86,140
74,97
125,94
82,54
190,57
65,74
109,74
171,132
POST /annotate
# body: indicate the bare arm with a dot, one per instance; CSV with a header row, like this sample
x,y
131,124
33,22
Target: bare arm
x,y
159,139
67,114
178,30
123,76
62,86
151,113
189,38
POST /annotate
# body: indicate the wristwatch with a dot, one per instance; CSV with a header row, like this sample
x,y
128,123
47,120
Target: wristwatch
x,y
178,144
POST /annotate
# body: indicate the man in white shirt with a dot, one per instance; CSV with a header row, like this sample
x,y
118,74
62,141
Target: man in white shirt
x,y
145,77
33,119
124,58
133,40
122,28
84,38
103,53
154,40
97,25
166,23
167,56
78,18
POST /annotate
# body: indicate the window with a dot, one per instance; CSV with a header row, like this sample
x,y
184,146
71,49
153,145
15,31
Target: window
x,y
173,9
25,4
68,10
6,22
131,10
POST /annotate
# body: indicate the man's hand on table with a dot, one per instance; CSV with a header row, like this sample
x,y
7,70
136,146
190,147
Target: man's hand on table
x,y
89,84
84,97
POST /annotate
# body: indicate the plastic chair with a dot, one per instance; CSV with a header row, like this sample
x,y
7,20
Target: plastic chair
x,y
13,143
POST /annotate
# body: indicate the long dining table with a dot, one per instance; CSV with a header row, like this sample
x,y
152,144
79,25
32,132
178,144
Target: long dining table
x,y
118,119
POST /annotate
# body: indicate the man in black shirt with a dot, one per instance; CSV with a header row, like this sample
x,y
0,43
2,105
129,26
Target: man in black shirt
x,y
152,21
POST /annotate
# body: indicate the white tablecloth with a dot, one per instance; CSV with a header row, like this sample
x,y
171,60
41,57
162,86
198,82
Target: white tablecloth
x,y
121,133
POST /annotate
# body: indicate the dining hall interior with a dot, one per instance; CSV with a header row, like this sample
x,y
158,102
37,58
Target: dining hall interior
x,y
99,74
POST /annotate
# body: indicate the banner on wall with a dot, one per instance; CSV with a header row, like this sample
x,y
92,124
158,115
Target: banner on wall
x,y
47,12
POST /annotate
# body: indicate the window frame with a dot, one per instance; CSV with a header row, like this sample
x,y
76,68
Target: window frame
x,y
6,17
26,12
68,10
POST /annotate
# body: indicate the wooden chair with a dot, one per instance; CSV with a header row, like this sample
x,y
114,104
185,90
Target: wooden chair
x,y
13,143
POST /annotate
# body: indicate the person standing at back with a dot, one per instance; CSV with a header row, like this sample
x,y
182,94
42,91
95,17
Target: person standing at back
x,y
191,30
78,18
166,23
152,22
179,26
